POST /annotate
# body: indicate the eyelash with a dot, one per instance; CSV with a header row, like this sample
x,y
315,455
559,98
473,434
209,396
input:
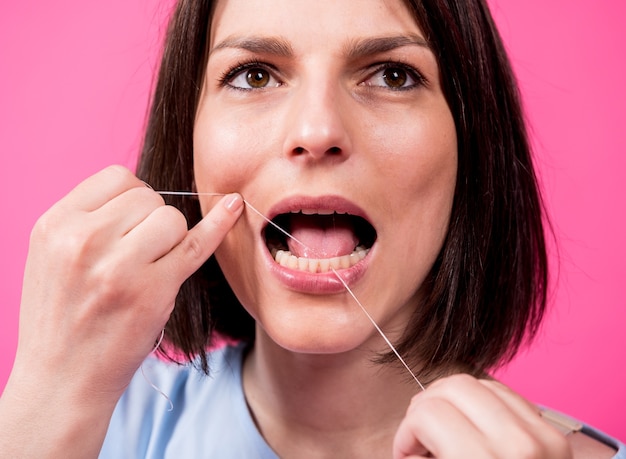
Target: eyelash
x,y
225,79
413,73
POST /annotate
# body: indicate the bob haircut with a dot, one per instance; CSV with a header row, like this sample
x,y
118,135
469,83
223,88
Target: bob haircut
x,y
486,293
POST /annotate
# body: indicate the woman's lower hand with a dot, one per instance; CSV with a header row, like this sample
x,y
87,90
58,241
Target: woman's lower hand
x,y
462,417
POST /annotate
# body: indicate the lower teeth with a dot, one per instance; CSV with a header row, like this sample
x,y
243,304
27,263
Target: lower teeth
x,y
318,265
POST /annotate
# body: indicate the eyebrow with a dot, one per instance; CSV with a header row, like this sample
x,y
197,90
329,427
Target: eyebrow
x,y
360,48
377,45
266,45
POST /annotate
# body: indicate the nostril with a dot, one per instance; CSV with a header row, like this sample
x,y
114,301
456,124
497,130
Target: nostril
x,y
334,150
317,152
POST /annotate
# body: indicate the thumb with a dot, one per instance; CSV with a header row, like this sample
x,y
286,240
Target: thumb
x,y
202,240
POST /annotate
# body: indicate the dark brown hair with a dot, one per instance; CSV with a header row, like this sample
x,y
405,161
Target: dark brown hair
x,y
486,293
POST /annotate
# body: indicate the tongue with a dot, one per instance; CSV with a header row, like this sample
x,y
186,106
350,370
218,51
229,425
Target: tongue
x,y
324,236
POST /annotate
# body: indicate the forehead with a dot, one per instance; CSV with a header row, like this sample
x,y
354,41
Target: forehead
x,y
312,23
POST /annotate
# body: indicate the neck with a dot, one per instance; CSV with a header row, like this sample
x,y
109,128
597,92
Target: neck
x,y
339,405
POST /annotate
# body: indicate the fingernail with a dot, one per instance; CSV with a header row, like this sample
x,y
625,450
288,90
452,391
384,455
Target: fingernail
x,y
233,202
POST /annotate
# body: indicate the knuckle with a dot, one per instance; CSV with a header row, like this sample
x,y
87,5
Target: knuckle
x,y
45,226
417,400
454,382
147,196
53,222
106,284
434,404
219,219
114,281
461,379
176,218
421,408
172,222
193,247
77,247
73,252
218,224
120,177
116,170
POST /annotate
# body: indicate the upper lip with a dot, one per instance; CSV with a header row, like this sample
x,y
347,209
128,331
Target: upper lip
x,y
319,205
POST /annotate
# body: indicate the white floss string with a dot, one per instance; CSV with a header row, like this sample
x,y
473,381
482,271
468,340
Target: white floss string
x,y
252,208
380,332
370,318
154,386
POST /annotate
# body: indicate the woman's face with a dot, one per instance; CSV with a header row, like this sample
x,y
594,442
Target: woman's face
x,y
330,119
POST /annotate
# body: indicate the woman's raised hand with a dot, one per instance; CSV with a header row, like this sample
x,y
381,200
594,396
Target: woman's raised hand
x,y
464,417
104,267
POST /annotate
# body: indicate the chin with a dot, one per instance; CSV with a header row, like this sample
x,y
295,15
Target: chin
x,y
322,326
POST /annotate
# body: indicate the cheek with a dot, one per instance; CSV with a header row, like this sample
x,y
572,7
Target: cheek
x,y
420,171
226,153
433,175
418,159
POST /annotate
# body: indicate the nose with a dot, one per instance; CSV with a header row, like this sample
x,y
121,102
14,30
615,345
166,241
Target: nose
x,y
316,125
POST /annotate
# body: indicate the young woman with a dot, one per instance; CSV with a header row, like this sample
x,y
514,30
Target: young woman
x,y
387,139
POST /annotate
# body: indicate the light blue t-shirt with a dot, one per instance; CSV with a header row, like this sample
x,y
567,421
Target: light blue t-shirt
x,y
210,418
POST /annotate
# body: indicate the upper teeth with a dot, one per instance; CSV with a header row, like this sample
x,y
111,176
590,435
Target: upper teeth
x,y
316,212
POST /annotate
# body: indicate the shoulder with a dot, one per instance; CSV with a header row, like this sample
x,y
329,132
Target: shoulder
x,y
586,442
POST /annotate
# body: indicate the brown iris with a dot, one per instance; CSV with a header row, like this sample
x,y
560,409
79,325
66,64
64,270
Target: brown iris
x,y
395,77
258,78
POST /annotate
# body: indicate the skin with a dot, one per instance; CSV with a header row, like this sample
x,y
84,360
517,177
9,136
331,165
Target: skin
x,y
113,275
325,121
302,138
300,133
328,124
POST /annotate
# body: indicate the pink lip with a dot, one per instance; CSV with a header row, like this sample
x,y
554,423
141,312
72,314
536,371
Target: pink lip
x,y
334,203
320,283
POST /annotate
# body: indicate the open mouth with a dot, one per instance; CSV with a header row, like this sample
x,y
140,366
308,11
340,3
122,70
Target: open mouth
x,y
323,240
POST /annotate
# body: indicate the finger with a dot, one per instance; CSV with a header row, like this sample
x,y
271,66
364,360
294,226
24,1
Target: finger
x,y
551,438
433,427
479,403
100,188
156,235
513,400
202,240
127,210
506,421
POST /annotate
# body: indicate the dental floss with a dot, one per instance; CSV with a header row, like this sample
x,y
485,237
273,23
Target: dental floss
x,y
154,386
192,193
345,285
380,332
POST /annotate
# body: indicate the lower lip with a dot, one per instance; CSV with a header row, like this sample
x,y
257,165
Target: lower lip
x,y
319,283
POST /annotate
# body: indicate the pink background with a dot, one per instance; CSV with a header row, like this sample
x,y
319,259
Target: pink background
x,y
74,82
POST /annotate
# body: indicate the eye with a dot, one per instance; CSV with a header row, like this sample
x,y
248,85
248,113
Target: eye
x,y
250,76
394,76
